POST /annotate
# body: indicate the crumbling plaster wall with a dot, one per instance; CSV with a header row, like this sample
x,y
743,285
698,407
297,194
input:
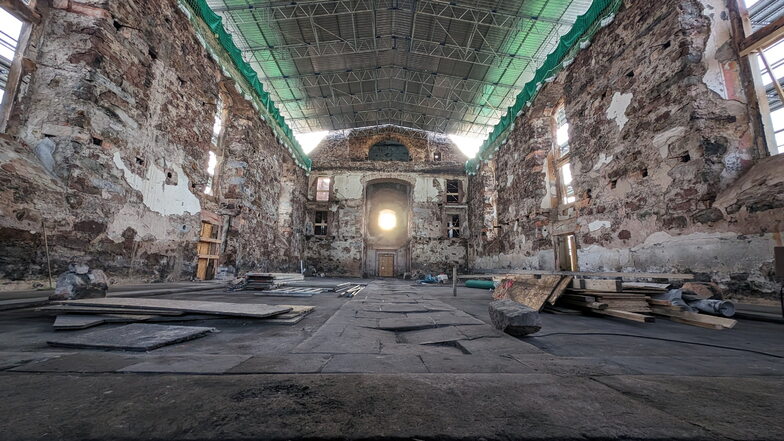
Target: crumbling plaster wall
x,y
342,156
108,147
662,134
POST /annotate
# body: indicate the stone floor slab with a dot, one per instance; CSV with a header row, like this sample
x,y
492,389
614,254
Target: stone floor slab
x,y
187,364
368,363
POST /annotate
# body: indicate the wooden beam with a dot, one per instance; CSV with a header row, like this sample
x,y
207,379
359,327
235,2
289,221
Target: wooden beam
x,y
626,315
21,11
763,38
582,274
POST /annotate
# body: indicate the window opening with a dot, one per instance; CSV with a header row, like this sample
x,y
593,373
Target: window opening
x,y
562,131
453,228
567,252
10,30
211,164
322,189
320,223
437,156
217,126
452,191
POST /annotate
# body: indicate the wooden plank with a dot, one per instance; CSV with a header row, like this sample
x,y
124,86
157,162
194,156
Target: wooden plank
x,y
193,306
602,285
763,38
589,305
693,316
559,289
531,292
696,323
69,309
672,276
627,315
646,286
134,337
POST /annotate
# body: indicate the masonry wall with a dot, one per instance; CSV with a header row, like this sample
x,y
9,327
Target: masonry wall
x,y
107,147
342,156
670,168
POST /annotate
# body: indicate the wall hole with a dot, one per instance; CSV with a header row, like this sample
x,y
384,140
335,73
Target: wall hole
x,y
644,172
686,158
613,183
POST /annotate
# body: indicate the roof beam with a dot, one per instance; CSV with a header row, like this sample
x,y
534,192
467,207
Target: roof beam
x,y
452,104
391,115
391,72
336,48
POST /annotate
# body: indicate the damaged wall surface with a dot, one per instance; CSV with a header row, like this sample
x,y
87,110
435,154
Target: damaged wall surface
x,y
346,248
108,143
664,145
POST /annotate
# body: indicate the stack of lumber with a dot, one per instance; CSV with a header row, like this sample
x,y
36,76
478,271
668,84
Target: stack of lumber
x,y
611,297
265,281
349,289
81,314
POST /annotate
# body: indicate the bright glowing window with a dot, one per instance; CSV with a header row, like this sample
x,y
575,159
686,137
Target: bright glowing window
x,y
567,190
322,188
468,145
562,131
10,28
211,164
387,220
309,141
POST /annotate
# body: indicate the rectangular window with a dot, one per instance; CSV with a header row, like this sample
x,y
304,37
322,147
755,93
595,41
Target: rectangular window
x,y
437,156
217,125
452,192
320,223
322,189
10,31
567,252
565,179
562,131
453,228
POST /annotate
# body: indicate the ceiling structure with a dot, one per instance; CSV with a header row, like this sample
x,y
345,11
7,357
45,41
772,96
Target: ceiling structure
x,y
443,66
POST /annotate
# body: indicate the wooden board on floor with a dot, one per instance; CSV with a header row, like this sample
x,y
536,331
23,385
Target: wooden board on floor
x,y
253,310
73,309
528,291
68,322
559,289
627,315
694,318
604,285
297,313
134,337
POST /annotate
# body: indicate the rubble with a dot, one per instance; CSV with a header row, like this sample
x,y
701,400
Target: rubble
x,y
514,318
80,282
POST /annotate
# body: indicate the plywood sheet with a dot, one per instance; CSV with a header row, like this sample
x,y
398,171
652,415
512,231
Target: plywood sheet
x,y
254,310
528,291
134,337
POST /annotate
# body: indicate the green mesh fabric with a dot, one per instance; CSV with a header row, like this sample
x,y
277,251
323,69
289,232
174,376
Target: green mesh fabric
x,y
579,35
215,23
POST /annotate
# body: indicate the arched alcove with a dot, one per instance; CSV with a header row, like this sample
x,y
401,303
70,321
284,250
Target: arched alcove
x,y
389,150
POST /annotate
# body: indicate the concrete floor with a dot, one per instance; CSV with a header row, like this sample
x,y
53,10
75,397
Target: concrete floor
x,y
398,362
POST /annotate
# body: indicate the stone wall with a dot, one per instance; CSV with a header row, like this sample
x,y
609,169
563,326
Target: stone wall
x,y
108,148
666,142
342,156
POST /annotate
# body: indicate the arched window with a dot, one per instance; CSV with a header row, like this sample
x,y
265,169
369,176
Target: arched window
x,y
389,150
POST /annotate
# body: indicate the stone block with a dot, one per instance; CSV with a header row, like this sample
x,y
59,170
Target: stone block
x,y
514,318
80,282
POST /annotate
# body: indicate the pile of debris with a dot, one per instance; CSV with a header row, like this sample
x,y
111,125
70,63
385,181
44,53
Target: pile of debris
x,y
265,281
692,304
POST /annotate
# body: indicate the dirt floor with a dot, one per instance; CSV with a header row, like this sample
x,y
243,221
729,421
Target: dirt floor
x,y
397,362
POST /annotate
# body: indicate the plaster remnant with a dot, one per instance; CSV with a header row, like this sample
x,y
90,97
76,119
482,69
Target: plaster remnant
x,y
156,195
617,110
720,33
598,225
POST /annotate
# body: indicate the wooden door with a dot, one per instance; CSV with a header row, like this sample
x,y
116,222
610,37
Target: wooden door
x,y
208,249
386,265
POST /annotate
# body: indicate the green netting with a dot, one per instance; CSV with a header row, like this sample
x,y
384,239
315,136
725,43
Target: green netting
x,y
215,23
578,36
